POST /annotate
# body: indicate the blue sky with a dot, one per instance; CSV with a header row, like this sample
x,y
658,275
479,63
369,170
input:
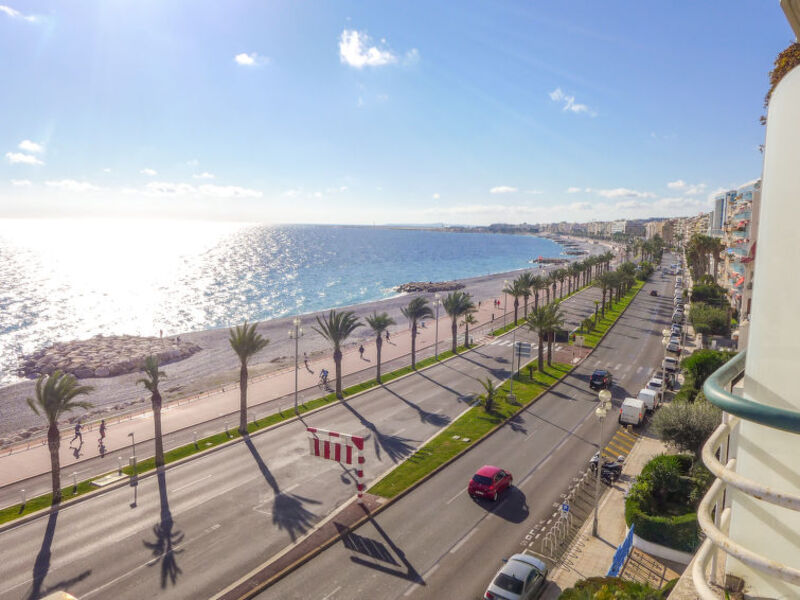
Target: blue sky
x,y
384,112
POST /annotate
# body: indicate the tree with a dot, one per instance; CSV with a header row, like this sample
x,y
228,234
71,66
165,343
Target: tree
x,y
152,378
491,392
416,312
516,289
556,322
787,60
469,319
537,284
552,279
702,363
561,274
246,342
457,304
336,328
605,282
573,271
379,323
526,280
686,426
539,323
711,294
708,320
55,395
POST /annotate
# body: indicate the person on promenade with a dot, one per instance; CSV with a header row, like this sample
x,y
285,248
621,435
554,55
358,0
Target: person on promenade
x,y
102,429
305,361
361,351
78,435
387,335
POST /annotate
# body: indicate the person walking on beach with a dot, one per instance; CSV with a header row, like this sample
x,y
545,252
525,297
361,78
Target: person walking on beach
x,y
102,430
361,351
78,435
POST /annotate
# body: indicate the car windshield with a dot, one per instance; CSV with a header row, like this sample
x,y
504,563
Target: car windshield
x,y
598,374
482,479
508,583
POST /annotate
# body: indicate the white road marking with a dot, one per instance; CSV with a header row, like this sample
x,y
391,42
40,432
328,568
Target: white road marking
x,y
332,593
414,587
191,483
463,541
618,366
456,496
639,370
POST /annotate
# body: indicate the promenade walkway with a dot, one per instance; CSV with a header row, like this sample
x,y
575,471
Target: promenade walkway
x,y
27,466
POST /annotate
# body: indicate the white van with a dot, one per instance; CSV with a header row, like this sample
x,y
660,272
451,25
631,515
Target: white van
x,y
632,412
649,397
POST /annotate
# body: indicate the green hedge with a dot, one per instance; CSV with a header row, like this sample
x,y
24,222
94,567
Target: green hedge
x,y
614,588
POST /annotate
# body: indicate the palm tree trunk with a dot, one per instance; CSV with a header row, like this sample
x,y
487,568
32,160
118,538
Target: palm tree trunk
x,y
536,300
541,352
53,444
337,361
604,303
466,333
454,330
550,336
159,439
547,291
414,346
242,400
516,309
379,345
525,308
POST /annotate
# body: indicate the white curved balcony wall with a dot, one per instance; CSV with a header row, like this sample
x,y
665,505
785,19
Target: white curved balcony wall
x,y
772,374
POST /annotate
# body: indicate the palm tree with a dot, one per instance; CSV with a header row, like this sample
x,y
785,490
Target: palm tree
x,y
537,284
336,328
416,312
457,304
491,392
552,279
152,377
538,322
604,281
526,280
561,274
469,319
55,395
379,323
245,342
715,248
515,289
573,271
555,322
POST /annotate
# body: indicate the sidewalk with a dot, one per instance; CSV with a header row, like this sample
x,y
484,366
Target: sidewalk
x,y
588,556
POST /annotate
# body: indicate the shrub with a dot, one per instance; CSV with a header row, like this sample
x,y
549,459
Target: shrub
x,y
708,320
711,294
611,588
687,425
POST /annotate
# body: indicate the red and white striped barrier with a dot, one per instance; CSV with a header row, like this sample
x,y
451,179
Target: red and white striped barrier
x,y
340,447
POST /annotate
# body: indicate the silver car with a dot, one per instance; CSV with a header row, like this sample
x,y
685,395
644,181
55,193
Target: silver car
x,y
522,577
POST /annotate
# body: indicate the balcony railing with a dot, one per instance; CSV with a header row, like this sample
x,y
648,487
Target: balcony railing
x,y
713,515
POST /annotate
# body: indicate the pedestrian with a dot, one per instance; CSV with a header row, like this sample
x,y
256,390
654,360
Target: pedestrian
x,y
361,351
78,435
102,429
479,304
492,316
305,360
387,335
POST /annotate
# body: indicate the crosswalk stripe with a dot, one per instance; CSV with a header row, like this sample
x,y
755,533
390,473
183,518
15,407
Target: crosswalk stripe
x,y
618,449
622,442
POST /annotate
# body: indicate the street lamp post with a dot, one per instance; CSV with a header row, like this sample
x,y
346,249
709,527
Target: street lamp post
x,y
133,450
601,411
505,302
295,334
437,302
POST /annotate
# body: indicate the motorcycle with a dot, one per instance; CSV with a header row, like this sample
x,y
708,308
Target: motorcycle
x,y
610,471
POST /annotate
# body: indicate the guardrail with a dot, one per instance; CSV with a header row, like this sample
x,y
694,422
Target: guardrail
x,y
714,513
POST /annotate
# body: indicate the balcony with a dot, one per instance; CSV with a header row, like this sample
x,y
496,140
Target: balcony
x,y
714,512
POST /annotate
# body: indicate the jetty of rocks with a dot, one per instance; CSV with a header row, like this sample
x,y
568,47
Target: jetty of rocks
x,y
430,286
104,356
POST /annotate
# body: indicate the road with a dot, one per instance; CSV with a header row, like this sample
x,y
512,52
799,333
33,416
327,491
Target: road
x,y
437,542
207,522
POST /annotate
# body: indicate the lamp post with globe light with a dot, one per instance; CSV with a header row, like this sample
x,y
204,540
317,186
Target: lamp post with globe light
x,y
505,302
295,334
601,411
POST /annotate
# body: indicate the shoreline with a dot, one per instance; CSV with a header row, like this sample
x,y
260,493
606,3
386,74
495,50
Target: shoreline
x,y
216,364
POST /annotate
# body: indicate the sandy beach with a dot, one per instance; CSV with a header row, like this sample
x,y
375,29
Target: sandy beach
x,y
216,364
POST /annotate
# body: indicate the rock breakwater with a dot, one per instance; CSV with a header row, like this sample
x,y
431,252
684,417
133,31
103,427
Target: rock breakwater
x,y
430,286
104,356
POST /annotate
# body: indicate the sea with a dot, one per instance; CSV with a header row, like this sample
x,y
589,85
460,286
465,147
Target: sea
x,y
72,279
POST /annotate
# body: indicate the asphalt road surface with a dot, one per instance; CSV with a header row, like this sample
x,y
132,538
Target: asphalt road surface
x,y
204,524
437,542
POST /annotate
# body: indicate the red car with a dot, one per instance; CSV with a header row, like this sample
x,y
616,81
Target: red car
x,y
489,482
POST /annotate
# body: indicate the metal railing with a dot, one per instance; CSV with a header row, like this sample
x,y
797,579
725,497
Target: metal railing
x,y
714,511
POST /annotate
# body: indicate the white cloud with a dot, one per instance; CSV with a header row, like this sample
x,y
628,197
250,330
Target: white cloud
x,y
688,189
580,206
30,146
502,189
534,192
107,170
149,172
623,193
676,185
71,185
193,162
21,182
436,196
23,159
355,50
557,95
203,175
629,204
15,14
163,188
411,58
252,59
573,190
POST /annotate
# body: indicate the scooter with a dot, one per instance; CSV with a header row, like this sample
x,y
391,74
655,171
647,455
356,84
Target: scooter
x,y
610,469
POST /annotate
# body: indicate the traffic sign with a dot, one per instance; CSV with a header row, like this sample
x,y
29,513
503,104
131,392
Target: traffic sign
x,y
579,340
522,349
565,507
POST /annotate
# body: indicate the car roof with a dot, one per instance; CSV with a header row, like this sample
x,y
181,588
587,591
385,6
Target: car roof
x,y
530,560
600,372
487,470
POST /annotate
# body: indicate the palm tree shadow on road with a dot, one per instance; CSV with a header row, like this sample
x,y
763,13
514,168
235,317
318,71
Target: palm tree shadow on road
x,y
288,510
42,564
396,447
167,538
425,416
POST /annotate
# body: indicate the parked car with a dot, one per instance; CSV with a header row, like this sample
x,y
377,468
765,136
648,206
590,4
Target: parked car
x,y
632,411
670,364
653,293
674,347
677,317
601,378
657,385
489,482
522,577
650,399
676,329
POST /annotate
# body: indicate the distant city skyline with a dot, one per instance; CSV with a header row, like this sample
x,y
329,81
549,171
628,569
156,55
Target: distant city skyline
x,y
463,113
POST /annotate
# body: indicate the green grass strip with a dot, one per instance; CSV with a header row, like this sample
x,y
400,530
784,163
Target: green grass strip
x,y
474,424
148,464
591,340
